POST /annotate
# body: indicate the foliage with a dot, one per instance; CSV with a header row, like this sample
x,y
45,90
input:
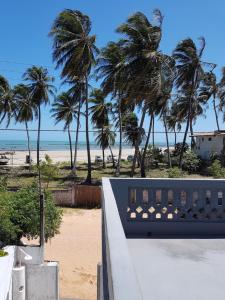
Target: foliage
x,y
191,162
216,170
178,149
3,183
3,253
48,170
175,173
155,153
20,216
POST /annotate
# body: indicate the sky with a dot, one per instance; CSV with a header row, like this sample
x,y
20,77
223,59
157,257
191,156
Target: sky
x,y
25,24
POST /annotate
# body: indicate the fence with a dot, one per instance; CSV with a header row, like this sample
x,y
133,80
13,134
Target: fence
x,y
78,196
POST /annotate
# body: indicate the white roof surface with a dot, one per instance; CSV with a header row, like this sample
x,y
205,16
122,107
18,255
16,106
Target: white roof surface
x,y
175,269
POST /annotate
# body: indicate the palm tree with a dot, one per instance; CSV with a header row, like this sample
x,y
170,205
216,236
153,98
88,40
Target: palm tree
x,y
64,110
99,111
74,49
146,67
189,76
41,88
110,68
173,122
105,139
24,110
7,105
213,89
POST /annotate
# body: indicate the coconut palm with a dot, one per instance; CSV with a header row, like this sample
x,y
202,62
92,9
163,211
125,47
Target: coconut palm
x,y
24,110
65,110
189,75
105,139
110,68
146,66
74,49
99,110
7,105
41,88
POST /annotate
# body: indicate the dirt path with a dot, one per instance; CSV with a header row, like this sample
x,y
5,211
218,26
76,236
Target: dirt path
x,y
78,250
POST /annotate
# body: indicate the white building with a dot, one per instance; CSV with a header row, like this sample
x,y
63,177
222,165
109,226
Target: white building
x,y
209,142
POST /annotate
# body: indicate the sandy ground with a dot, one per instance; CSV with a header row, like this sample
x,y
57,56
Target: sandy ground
x,y
78,250
19,157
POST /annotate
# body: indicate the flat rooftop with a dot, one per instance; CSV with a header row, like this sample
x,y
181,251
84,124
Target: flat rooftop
x,y
179,268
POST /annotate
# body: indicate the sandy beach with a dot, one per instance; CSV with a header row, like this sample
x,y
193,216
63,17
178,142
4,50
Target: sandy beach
x,y
19,157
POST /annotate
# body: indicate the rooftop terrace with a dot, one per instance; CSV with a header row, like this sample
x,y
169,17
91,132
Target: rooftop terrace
x,y
163,239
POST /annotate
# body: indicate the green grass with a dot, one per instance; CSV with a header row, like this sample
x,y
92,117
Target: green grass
x,y
20,176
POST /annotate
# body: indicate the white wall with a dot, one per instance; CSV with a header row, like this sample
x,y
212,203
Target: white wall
x,y
6,266
207,147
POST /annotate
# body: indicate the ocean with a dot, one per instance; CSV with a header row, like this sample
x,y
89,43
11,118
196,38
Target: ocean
x,y
21,145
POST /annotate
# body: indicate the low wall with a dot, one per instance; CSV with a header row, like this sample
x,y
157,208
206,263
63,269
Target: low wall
x,y
78,196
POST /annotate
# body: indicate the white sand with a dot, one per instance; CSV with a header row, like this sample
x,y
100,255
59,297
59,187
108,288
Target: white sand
x,y
19,157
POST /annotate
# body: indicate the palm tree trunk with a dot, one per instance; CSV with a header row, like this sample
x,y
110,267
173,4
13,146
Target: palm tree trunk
x,y
138,141
192,133
145,148
175,137
71,149
185,134
76,140
153,132
167,140
103,154
120,143
216,114
113,160
88,179
38,138
28,144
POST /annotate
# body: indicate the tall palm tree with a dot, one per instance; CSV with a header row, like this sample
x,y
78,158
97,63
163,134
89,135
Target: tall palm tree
x,y
7,105
65,110
189,76
213,89
74,49
77,91
41,88
99,110
24,110
110,68
146,66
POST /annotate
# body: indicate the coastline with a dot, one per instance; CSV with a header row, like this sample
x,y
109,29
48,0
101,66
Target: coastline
x,y
59,156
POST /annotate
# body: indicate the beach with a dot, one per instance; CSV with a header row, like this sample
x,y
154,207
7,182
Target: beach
x,y
18,158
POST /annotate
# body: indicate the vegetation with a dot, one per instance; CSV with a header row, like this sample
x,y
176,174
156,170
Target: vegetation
x,y
20,217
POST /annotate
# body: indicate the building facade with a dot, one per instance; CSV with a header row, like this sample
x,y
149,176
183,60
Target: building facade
x,y
208,143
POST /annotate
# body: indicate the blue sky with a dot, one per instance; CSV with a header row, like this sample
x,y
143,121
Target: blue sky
x,y
24,27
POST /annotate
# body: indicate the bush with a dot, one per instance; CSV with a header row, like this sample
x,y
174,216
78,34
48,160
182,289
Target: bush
x,y
178,148
191,162
48,170
20,215
216,170
175,173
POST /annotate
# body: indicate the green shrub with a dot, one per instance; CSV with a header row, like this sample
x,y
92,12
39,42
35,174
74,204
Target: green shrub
x,y
178,148
175,173
3,253
48,170
20,215
191,162
216,170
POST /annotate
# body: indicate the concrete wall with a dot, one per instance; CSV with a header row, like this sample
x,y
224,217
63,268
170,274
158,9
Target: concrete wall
x,y
6,266
42,281
204,218
205,146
